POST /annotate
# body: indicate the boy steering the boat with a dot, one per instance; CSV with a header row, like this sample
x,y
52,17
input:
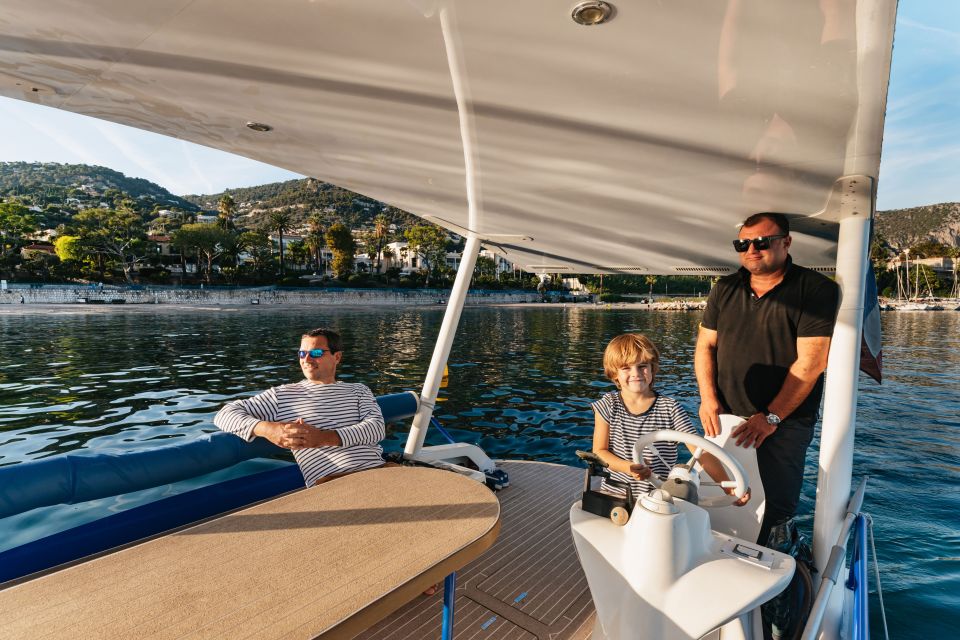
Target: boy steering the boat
x,y
632,361
333,428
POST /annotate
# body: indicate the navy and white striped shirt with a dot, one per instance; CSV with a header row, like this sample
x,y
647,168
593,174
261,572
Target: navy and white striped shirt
x,y
347,408
626,428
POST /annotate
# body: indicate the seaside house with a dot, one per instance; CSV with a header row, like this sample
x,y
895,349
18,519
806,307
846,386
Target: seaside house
x,y
37,249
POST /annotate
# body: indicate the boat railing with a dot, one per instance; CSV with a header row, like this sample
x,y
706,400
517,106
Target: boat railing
x,y
857,581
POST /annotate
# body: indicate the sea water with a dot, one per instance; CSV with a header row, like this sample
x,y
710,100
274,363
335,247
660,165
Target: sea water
x,y
520,385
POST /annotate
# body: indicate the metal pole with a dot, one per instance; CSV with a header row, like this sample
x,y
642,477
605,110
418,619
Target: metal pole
x,y
431,384
834,564
861,623
840,398
874,26
449,602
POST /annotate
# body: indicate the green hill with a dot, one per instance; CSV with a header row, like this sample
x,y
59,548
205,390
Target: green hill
x,y
59,191
303,198
52,183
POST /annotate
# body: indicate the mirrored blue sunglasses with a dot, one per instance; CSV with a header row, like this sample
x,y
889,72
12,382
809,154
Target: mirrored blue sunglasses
x,y
313,353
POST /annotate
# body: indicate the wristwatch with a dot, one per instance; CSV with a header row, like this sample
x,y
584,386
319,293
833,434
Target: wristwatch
x,y
773,419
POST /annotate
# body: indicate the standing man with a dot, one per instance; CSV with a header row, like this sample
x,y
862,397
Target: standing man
x,y
761,353
333,428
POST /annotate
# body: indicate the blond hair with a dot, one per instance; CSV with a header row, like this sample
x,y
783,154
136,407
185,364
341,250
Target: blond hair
x,y
628,348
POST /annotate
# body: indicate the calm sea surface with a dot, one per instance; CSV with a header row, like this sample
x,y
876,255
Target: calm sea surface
x,y
521,380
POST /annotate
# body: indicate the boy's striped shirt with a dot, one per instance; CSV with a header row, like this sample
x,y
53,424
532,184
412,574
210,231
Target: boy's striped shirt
x,y
626,428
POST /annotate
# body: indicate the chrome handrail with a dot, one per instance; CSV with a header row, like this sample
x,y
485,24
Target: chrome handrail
x,y
834,564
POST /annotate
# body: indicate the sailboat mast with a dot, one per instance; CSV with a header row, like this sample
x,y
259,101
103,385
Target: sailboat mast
x,y
907,254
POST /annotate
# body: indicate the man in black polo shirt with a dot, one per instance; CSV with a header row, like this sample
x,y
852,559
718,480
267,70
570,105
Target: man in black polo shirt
x,y
761,353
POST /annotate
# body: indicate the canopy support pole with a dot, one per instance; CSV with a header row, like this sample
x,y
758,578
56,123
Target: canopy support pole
x,y
834,477
458,295
431,384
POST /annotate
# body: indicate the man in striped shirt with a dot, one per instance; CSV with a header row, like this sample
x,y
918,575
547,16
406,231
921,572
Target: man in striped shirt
x,y
332,427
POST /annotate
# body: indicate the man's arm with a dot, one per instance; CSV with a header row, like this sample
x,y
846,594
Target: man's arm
x,y
241,417
253,417
801,378
370,429
705,367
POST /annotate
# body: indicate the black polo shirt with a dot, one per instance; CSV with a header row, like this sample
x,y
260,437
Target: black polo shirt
x,y
757,337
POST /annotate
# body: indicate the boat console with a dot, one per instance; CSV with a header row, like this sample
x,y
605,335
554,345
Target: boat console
x,y
667,573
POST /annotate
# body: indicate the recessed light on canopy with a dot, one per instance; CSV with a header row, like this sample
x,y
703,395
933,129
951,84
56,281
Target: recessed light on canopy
x,y
592,13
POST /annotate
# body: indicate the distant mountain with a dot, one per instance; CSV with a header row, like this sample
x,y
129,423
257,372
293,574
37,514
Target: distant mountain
x,y
58,191
904,228
303,198
52,183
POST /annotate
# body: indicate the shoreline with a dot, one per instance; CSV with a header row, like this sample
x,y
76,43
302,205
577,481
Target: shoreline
x,y
75,298
61,309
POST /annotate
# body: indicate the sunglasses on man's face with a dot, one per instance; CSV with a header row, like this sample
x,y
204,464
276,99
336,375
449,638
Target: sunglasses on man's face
x,y
760,242
313,353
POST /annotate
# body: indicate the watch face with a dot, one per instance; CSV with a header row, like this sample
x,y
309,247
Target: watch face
x,y
773,418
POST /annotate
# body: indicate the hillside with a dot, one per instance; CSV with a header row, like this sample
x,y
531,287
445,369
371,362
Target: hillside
x,y
52,183
63,189
938,223
59,191
303,198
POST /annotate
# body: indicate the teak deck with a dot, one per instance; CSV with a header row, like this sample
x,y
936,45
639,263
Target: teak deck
x,y
327,561
528,585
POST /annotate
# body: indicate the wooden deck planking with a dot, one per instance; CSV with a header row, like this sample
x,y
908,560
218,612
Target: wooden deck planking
x,y
534,554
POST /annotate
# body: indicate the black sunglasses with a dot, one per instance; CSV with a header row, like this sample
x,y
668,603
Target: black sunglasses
x,y
760,242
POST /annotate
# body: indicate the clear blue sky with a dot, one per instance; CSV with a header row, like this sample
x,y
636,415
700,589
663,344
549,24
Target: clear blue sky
x,y
921,151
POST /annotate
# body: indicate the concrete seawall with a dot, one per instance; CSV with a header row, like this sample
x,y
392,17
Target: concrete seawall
x,y
257,296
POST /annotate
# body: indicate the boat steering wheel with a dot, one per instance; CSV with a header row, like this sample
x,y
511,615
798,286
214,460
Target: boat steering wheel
x,y
733,467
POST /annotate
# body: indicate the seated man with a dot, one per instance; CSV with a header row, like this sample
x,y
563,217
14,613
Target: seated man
x,y
332,427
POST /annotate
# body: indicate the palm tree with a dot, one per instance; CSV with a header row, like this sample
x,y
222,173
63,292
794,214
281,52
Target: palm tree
x,y
280,222
226,207
651,280
314,239
380,227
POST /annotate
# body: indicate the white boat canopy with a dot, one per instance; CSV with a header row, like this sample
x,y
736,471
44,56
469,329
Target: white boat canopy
x,y
631,146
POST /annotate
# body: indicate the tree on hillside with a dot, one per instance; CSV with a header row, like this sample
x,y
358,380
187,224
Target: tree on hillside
x,y
343,246
485,266
299,253
430,243
119,236
70,251
257,244
314,238
68,248
381,226
650,280
280,222
16,221
931,249
208,240
233,245
226,208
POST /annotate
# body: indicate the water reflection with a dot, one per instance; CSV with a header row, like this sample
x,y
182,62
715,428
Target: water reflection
x,y
521,380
